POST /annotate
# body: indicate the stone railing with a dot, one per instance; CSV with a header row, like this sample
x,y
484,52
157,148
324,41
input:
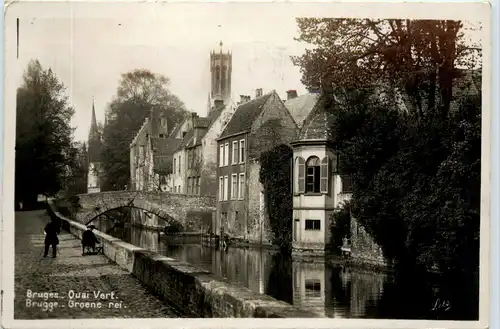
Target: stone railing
x,y
194,292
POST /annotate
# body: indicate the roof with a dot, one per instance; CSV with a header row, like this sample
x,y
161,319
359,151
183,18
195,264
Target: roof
x,y
245,115
300,107
185,141
318,124
164,146
163,149
178,126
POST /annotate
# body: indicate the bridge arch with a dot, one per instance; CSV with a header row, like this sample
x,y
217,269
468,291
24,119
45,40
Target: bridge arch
x,y
189,211
192,212
162,215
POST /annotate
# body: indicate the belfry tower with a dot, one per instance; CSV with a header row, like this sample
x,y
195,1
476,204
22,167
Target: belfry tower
x,y
94,156
220,72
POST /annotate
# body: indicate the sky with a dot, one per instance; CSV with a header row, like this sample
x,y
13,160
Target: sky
x,y
89,46
89,54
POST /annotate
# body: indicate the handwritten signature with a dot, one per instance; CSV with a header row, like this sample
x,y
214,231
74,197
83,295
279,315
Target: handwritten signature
x,y
441,305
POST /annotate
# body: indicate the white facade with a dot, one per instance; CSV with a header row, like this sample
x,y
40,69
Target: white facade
x,y
93,178
178,176
317,193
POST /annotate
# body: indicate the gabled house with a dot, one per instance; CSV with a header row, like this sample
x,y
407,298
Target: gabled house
x,y
317,188
256,126
150,146
300,106
195,159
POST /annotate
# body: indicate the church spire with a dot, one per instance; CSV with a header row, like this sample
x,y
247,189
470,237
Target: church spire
x,y
94,142
94,131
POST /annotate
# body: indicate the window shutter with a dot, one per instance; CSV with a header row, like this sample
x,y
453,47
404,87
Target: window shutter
x,y
324,175
302,175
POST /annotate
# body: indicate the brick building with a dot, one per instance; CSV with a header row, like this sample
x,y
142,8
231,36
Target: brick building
x,y
256,126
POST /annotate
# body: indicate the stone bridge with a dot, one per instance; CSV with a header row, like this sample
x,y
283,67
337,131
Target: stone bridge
x,y
172,208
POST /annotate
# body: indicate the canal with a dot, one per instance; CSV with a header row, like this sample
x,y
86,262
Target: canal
x,y
323,286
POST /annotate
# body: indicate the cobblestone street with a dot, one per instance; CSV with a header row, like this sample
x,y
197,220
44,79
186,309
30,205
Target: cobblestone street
x,y
75,285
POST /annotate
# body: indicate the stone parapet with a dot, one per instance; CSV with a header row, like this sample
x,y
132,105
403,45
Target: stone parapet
x,y
183,209
195,292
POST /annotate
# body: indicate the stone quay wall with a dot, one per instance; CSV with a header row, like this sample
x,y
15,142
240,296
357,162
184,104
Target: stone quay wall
x,y
194,292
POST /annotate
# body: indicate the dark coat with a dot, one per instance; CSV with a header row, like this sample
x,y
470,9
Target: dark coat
x,y
51,234
89,238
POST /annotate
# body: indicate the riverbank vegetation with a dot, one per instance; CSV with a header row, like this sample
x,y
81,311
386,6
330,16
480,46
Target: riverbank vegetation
x,y
407,100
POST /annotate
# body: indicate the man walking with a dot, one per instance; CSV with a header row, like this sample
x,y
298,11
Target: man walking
x,y
51,239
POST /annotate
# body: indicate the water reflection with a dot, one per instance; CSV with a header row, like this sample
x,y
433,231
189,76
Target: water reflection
x,y
325,289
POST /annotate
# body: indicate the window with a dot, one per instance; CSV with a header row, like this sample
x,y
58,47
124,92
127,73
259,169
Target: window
x,y
242,151
193,157
313,224
189,186
226,154
141,154
161,135
234,187
241,191
313,288
226,183
180,164
190,156
175,162
235,152
221,156
198,185
313,175
221,188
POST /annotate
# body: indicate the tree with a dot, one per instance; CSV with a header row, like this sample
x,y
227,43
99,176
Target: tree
x,y
44,150
416,168
77,179
139,92
417,58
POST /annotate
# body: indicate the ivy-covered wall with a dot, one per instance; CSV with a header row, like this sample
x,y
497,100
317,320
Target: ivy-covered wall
x,y
275,177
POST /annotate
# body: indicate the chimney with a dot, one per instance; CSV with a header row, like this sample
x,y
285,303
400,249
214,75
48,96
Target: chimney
x,y
244,99
291,94
258,92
